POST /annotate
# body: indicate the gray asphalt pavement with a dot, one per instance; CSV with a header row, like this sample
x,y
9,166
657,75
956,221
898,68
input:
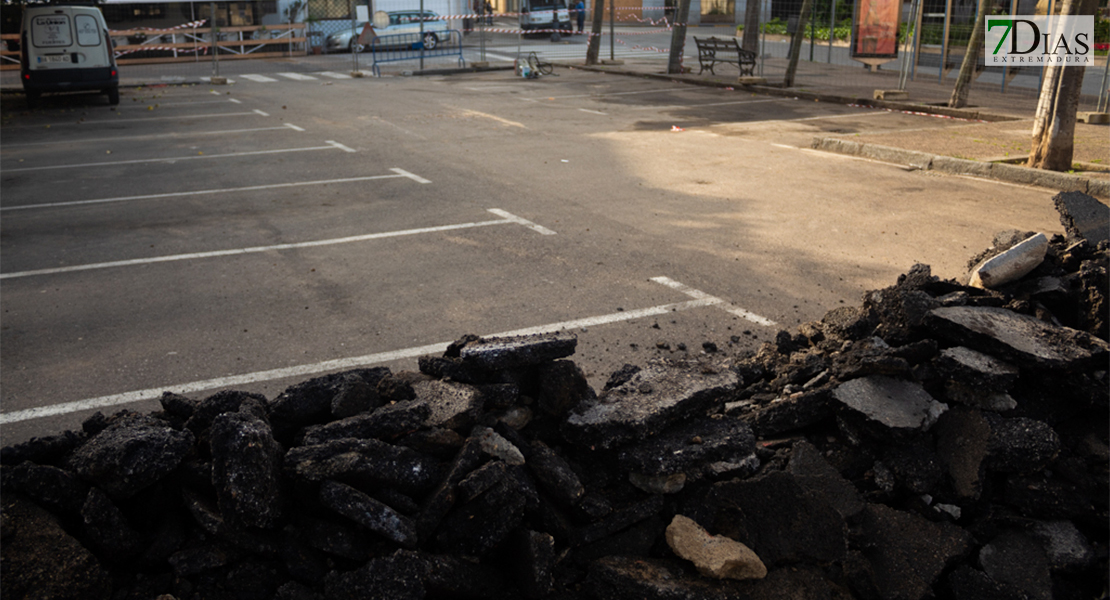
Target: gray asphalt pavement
x,y
250,236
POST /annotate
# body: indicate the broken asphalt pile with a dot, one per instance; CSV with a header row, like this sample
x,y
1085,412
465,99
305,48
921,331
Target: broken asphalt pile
x,y
938,441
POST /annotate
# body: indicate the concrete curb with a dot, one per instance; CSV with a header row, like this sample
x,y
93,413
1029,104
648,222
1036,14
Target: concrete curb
x,y
1064,182
770,90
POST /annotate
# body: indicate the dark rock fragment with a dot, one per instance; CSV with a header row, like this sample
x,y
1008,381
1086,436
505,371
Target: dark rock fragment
x,y
1083,217
385,423
453,577
914,465
617,520
786,413
963,439
481,479
533,562
621,376
107,529
1021,339
368,512
689,446
396,577
775,516
246,470
907,553
48,450
496,354
474,528
967,583
1017,561
889,405
647,403
130,455
177,405
813,472
217,404
976,379
1020,445
54,488
41,560
554,474
335,539
1064,545
635,578
201,559
562,385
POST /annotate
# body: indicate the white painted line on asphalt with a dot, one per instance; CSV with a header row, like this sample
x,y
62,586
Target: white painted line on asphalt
x,y
264,114
208,79
653,91
341,146
294,127
330,146
404,173
258,78
117,121
595,112
298,76
507,218
715,301
849,115
250,188
784,146
522,221
234,101
340,364
670,106
334,75
156,136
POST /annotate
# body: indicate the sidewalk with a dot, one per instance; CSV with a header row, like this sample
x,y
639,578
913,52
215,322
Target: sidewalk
x,y
993,140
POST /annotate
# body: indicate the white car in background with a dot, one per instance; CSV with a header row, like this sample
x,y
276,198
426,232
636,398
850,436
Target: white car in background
x,y
399,22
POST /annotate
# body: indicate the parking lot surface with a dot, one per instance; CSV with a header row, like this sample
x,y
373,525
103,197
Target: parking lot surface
x,y
250,236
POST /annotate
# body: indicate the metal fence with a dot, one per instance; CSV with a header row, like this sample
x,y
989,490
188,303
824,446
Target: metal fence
x,y
932,39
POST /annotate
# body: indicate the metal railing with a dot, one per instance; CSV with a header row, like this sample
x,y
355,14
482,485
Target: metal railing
x,y
413,46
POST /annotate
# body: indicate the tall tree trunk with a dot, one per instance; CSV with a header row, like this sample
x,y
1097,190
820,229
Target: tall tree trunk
x,y
1054,121
971,58
678,37
750,40
796,43
593,47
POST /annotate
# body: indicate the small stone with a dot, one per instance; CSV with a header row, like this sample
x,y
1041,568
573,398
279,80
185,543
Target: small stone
x,y
658,484
369,513
714,556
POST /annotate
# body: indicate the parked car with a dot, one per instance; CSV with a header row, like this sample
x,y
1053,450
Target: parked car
x,y
544,14
400,21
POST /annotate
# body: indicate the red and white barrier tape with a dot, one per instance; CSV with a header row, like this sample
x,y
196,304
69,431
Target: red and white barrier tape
x,y
190,25
199,49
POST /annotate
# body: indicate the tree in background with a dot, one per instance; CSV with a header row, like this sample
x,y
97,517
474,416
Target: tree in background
x,y
593,46
1054,121
796,43
971,57
678,37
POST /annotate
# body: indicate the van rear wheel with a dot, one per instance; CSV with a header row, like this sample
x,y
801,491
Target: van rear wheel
x,y
113,95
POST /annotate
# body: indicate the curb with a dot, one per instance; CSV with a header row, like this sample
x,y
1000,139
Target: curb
x,y
1063,182
770,90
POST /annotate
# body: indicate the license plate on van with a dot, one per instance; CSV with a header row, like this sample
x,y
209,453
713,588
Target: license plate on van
x,y
54,59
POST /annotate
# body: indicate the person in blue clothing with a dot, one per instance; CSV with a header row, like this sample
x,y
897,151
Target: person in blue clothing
x,y
580,12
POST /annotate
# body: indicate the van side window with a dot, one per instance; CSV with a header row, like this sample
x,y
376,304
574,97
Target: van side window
x,y
88,30
51,31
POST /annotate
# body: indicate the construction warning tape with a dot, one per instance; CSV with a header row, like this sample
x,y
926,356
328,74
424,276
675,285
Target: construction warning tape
x,y
200,49
190,25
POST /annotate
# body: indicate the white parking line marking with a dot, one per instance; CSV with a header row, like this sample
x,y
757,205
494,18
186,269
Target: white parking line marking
x,y
298,76
715,301
208,79
508,218
595,112
264,114
334,75
234,101
340,364
671,106
294,127
341,146
525,222
258,78
156,136
404,173
330,146
117,121
250,188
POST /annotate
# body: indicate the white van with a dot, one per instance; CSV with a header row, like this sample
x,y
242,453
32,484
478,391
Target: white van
x,y
66,48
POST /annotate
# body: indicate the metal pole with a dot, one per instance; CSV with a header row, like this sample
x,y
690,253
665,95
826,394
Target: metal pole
x,y
482,33
917,39
762,34
944,42
215,44
422,35
355,47
612,34
812,32
1006,68
905,53
1102,88
832,29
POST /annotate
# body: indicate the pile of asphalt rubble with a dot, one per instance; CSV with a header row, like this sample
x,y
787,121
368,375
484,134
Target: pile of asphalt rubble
x,y
941,441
